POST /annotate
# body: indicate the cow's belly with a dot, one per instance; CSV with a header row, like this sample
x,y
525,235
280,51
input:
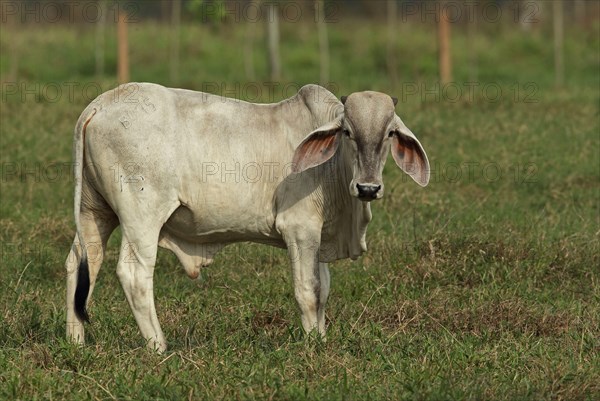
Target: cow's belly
x,y
213,225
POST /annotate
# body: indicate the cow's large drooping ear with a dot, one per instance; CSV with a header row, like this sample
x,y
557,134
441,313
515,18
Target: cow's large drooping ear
x,y
408,153
318,147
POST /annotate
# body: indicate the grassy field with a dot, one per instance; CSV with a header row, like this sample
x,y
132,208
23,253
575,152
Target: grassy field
x,y
484,285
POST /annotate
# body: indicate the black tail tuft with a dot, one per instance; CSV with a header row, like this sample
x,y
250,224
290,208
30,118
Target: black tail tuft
x,y
82,290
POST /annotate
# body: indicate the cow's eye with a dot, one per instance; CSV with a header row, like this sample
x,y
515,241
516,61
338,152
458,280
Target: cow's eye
x,y
346,132
391,133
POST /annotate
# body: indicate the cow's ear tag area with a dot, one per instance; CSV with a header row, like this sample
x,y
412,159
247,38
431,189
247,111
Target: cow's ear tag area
x,y
318,147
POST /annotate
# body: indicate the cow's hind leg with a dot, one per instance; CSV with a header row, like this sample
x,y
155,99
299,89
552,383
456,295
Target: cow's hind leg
x,y
96,229
136,273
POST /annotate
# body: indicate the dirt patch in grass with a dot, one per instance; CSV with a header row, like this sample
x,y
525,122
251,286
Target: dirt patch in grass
x,y
269,321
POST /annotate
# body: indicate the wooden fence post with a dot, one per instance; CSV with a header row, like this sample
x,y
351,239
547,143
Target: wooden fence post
x,y
580,12
559,64
323,41
12,28
392,25
175,32
472,46
123,50
249,40
273,40
444,57
100,35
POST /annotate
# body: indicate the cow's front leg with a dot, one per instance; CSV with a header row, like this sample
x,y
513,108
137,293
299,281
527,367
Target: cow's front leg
x,y
308,280
324,294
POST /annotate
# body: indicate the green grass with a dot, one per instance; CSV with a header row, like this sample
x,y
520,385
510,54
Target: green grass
x,y
484,285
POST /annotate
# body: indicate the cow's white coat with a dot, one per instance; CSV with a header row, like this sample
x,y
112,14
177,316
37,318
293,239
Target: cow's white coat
x,y
193,172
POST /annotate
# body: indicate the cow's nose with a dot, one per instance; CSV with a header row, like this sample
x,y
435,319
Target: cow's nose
x,y
367,191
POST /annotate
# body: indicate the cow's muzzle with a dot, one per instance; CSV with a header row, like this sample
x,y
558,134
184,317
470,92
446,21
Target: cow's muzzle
x,y
368,192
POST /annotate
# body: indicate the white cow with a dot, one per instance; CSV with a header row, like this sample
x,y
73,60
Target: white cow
x,y
193,172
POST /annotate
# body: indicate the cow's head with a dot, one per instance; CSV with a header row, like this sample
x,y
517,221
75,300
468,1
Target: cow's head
x,y
369,127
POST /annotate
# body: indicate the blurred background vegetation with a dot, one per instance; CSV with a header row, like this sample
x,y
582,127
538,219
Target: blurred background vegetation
x,y
347,45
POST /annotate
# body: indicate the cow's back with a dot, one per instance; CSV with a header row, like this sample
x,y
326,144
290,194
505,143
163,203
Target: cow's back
x,y
221,158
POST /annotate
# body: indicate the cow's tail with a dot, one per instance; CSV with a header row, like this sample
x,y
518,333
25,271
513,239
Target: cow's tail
x,y
83,271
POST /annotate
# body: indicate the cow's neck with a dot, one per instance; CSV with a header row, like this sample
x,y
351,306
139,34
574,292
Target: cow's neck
x,y
335,181
345,218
